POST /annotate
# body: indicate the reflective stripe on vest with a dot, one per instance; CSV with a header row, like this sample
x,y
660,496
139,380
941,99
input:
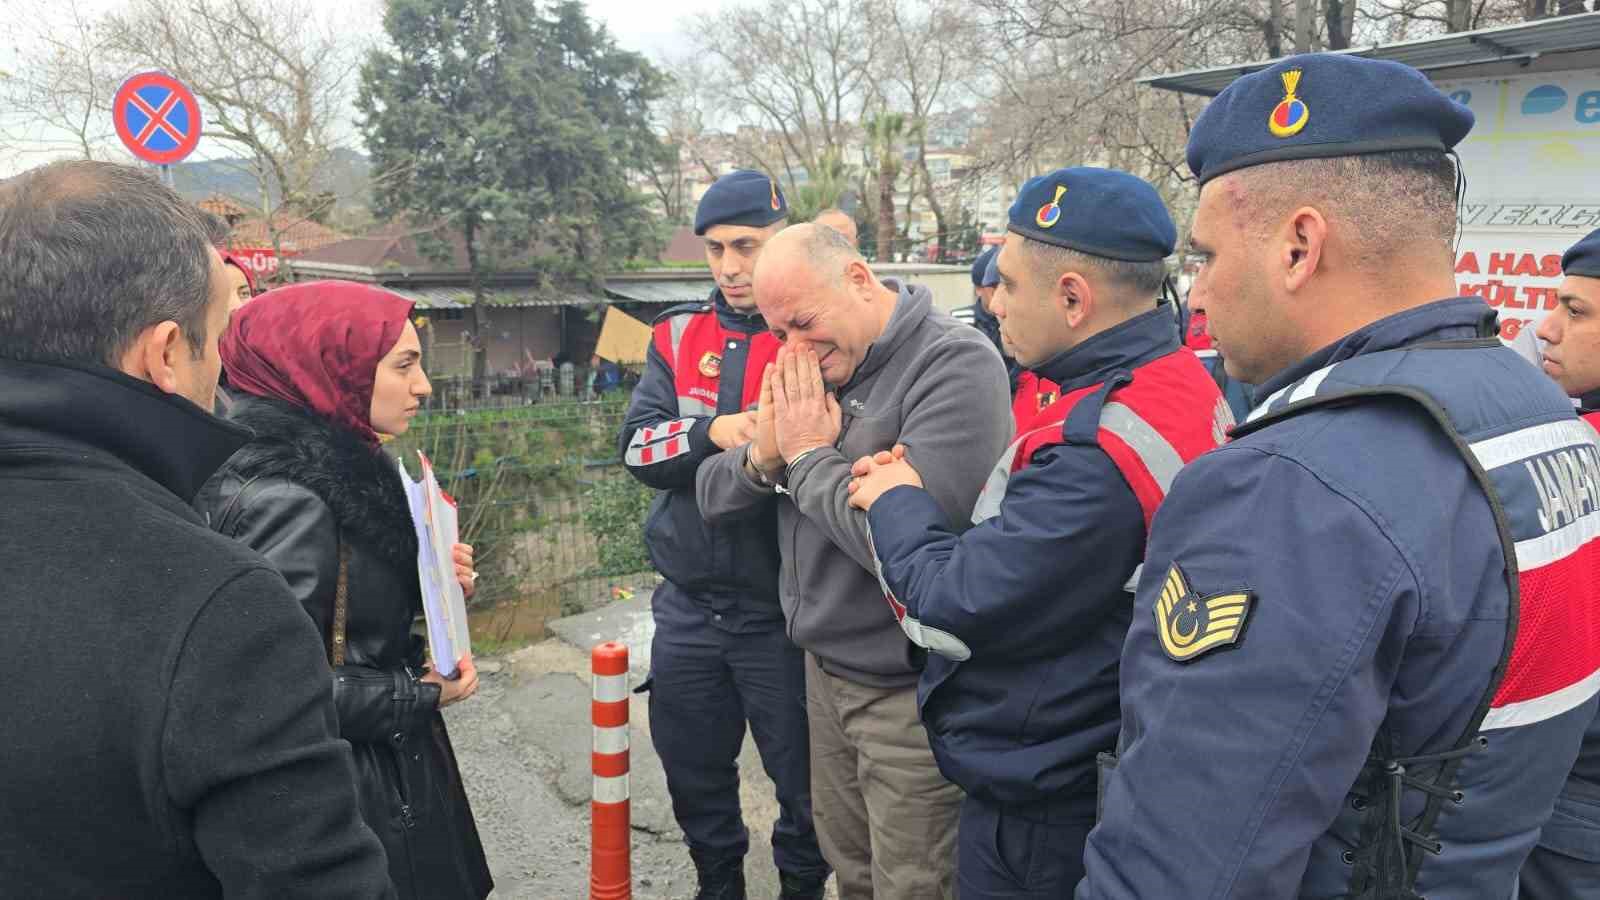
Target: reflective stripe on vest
x,y
659,444
1148,456
1558,556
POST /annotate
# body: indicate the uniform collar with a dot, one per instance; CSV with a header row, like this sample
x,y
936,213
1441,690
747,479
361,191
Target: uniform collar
x,y
732,319
1126,345
163,436
1456,319
1589,402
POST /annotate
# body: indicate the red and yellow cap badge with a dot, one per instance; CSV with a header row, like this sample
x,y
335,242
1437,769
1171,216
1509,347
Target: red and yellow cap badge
x,y
1291,114
777,204
1050,213
710,365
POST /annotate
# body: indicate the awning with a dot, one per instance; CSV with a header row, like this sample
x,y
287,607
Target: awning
x,y
1524,43
453,297
660,290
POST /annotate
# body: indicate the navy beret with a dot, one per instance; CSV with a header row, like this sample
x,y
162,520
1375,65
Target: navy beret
x,y
991,273
1320,105
1583,258
744,197
981,265
1101,212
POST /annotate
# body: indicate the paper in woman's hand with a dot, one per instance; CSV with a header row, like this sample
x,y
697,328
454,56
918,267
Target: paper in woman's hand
x,y
433,515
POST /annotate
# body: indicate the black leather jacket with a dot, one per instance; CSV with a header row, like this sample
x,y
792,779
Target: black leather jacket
x,y
294,494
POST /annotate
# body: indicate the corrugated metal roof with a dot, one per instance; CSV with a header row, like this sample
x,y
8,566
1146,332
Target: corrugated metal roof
x,y
664,290
1509,43
451,297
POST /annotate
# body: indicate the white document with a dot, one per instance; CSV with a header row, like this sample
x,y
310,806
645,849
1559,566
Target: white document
x,y
433,514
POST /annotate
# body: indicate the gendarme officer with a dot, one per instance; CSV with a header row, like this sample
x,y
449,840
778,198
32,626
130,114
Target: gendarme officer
x,y
1023,615
1363,651
720,657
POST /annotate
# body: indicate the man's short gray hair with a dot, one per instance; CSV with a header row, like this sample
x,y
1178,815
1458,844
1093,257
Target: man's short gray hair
x,y
92,254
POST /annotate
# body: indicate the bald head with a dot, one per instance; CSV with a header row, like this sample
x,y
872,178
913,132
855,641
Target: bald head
x,y
811,250
817,293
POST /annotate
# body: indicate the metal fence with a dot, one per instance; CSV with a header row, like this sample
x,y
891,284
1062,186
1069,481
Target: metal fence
x,y
555,520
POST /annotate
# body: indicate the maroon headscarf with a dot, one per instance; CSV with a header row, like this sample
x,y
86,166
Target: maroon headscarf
x,y
317,345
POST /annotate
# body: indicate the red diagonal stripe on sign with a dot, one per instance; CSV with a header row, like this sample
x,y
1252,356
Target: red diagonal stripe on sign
x,y
158,117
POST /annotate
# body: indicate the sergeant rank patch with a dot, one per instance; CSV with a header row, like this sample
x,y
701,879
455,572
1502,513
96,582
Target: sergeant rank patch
x,y
1190,625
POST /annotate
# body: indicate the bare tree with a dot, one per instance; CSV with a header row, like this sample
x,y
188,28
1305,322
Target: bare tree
x,y
681,117
270,78
927,53
798,70
57,98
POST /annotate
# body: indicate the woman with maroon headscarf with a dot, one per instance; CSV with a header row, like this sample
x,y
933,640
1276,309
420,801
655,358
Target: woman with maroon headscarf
x,y
318,370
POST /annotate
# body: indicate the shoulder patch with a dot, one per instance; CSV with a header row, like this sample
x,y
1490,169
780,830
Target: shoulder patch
x,y
1190,625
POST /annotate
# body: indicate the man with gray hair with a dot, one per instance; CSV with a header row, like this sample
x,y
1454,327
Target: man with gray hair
x,y
171,732
839,221
866,364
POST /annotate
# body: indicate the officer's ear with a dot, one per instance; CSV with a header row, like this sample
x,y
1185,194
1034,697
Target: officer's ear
x,y
1076,297
1305,237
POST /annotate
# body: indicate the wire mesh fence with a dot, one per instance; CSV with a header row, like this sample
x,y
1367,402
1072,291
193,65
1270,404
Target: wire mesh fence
x,y
555,520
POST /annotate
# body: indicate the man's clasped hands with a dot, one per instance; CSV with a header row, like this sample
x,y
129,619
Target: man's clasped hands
x,y
796,415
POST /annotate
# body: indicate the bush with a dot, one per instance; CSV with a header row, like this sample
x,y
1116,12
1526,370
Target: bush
x,y
615,514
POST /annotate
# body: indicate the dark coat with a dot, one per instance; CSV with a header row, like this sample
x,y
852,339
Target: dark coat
x,y
167,732
294,493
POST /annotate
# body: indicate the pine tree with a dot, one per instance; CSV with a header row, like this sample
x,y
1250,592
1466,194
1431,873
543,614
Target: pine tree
x,y
516,129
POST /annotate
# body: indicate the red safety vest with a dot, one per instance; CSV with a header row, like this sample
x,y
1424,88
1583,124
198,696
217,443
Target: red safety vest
x,y
1170,413
693,344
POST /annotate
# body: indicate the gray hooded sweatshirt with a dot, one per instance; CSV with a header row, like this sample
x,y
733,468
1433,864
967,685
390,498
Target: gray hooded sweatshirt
x,y
928,382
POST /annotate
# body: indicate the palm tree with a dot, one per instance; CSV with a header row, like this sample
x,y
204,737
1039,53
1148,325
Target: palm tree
x,y
885,129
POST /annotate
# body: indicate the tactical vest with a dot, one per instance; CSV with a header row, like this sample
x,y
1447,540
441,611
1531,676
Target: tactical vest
x,y
1150,421
1540,470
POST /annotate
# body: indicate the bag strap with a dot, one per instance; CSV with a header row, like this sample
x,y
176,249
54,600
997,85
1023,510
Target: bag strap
x,y
341,608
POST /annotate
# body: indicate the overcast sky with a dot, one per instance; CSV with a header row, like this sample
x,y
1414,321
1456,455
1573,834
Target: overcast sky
x,y
647,26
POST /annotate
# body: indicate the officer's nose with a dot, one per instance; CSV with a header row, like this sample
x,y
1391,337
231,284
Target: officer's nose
x,y
997,303
1550,328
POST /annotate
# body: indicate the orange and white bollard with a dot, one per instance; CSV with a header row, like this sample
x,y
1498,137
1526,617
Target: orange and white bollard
x,y
610,867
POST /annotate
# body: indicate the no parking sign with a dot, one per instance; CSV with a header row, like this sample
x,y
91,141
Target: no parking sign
x,y
157,118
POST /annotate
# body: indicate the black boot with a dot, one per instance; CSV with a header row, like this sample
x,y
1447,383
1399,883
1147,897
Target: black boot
x,y
721,877
801,887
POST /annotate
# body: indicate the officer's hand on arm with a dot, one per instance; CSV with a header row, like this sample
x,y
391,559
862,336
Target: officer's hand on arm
x,y
876,475
733,430
806,415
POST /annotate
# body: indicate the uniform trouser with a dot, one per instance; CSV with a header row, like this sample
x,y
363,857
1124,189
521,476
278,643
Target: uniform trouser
x,y
1005,856
1566,863
886,817
705,685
